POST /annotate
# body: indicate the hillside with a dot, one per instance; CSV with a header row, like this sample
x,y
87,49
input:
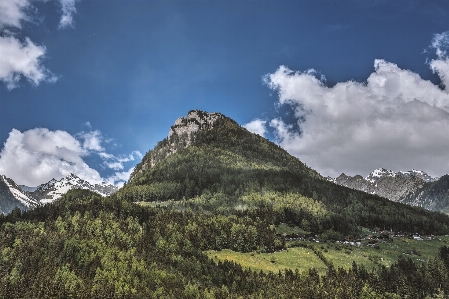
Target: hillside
x,y
220,165
433,196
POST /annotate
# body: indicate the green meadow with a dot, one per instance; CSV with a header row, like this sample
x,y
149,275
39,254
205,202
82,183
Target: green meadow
x,y
340,255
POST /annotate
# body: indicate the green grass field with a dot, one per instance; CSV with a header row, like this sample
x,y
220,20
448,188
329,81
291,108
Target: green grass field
x,y
295,258
340,255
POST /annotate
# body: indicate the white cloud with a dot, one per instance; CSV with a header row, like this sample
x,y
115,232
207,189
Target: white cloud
x,y
257,126
440,42
19,60
116,163
38,155
24,59
395,120
440,66
119,178
92,140
68,10
13,12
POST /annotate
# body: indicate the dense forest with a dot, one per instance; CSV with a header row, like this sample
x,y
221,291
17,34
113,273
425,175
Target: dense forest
x,y
228,190
85,246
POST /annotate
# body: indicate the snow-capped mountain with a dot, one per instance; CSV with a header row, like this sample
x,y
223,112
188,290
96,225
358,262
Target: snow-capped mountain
x,y
54,189
12,196
412,187
387,183
381,173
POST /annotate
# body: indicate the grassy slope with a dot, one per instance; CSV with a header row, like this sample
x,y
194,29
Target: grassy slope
x,y
341,256
295,258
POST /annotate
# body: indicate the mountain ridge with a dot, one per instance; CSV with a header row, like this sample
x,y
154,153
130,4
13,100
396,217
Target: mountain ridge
x,y
413,187
13,195
54,189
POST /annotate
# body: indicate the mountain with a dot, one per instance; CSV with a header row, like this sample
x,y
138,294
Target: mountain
x,y
12,196
209,163
54,189
386,183
209,151
432,196
412,187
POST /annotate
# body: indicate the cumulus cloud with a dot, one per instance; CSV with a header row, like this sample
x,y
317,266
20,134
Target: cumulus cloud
x,y
13,12
440,66
20,57
116,163
395,119
257,126
68,10
19,60
119,178
36,156
91,140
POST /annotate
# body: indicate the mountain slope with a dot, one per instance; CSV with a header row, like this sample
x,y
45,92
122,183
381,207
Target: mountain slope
x,y
221,165
12,196
220,157
54,189
386,183
432,196
413,187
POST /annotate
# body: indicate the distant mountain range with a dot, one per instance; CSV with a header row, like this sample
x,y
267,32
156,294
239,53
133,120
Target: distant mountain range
x,y
412,187
24,197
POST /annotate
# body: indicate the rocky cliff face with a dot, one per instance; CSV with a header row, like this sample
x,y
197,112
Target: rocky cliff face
x,y
181,135
386,183
194,121
413,187
432,196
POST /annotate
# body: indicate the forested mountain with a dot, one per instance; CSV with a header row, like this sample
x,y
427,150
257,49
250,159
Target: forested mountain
x,y
215,163
212,186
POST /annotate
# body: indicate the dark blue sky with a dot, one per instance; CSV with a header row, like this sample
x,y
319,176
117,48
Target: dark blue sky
x,y
131,68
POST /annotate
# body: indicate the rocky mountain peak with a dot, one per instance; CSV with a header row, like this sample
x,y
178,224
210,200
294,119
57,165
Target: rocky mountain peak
x,y
194,121
376,174
180,136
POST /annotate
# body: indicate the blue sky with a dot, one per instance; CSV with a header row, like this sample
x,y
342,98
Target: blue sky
x,y
114,76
